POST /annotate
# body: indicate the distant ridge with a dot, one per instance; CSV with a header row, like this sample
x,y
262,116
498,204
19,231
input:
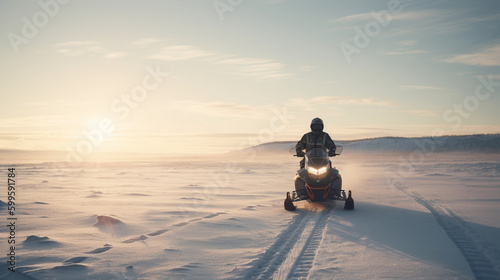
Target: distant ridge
x,y
483,143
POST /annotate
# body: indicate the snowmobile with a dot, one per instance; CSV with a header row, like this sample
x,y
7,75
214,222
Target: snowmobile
x,y
318,181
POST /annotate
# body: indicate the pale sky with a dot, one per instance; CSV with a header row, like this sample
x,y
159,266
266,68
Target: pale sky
x,y
243,72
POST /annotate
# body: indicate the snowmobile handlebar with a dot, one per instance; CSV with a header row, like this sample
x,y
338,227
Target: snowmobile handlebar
x,y
304,155
292,151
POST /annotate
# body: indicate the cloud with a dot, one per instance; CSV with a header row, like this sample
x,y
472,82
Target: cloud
x,y
256,67
265,70
407,42
115,54
423,113
182,52
427,22
216,135
77,48
435,22
419,87
420,20
403,49
146,41
355,17
38,132
39,122
77,44
363,17
489,56
259,68
340,100
401,52
222,109
68,52
416,15
242,61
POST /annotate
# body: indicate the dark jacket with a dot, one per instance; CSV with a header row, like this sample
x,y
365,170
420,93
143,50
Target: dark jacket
x,y
313,140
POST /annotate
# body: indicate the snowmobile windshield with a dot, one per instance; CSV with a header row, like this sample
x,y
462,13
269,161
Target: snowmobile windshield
x,y
317,161
317,157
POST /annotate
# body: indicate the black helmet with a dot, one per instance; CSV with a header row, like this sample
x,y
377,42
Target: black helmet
x,y
317,125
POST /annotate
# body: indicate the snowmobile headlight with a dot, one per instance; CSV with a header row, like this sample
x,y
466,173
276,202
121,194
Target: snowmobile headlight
x,y
322,170
318,171
312,170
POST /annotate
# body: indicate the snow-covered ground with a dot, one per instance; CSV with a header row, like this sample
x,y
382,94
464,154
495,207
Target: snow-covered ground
x,y
425,215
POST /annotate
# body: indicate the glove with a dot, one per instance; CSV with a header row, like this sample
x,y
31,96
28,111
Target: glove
x,y
300,153
331,153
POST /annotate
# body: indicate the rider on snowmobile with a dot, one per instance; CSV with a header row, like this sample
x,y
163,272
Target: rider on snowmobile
x,y
315,139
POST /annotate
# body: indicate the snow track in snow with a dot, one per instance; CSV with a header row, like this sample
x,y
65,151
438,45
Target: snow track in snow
x,y
305,260
462,236
292,255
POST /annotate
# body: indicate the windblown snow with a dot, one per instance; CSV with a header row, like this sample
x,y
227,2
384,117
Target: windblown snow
x,y
426,208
